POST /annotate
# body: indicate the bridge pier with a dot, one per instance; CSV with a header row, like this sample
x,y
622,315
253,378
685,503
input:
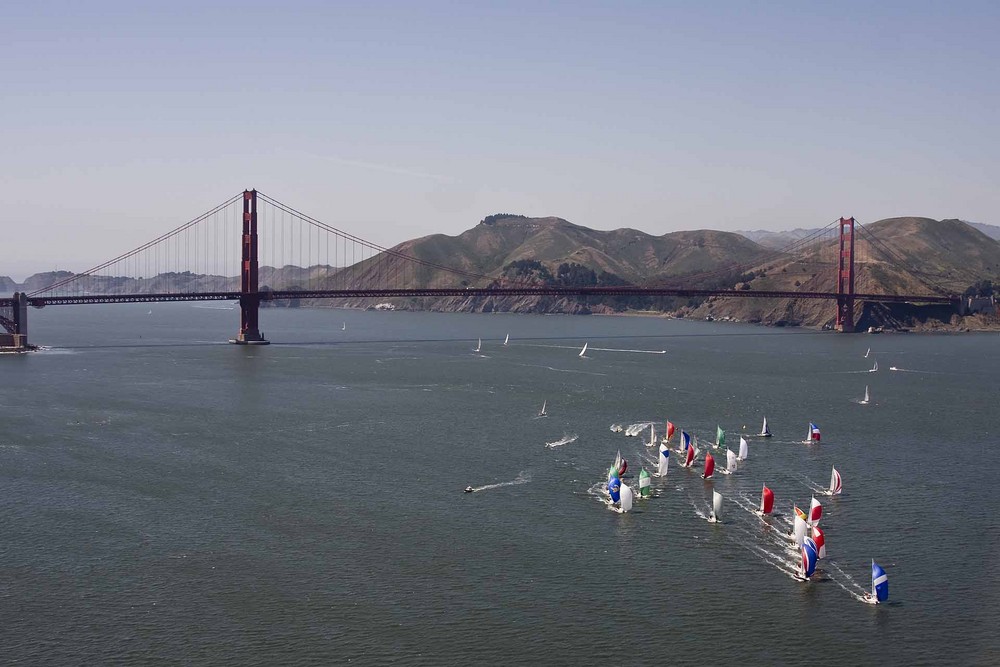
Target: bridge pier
x,y
845,277
249,294
16,325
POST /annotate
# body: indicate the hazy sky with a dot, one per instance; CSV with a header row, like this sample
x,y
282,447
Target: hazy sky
x,y
393,120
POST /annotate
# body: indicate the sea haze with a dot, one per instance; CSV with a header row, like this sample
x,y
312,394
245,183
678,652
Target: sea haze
x,y
167,497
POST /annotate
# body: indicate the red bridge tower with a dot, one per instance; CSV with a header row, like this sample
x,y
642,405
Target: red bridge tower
x,y
249,294
845,277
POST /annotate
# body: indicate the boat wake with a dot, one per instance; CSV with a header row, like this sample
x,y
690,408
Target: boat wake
x,y
845,581
523,477
775,560
637,428
562,370
608,349
566,439
809,484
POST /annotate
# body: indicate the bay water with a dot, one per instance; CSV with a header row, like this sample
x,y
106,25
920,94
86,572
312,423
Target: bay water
x,y
168,498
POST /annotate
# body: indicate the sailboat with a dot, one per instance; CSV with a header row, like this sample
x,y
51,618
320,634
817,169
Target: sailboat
x,y
506,340
865,400
614,487
542,412
880,585
664,461
621,464
343,327
479,345
815,511
744,449
583,352
716,515
820,541
807,566
730,462
720,436
685,442
799,527
874,367
709,466
766,501
836,484
692,454
652,436
812,434
765,432
670,432
626,498
645,490
868,352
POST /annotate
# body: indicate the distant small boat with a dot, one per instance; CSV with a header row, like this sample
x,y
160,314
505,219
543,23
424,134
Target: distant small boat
x,y
815,512
626,498
645,490
868,352
652,436
343,327
506,340
692,454
867,398
542,412
799,527
720,436
820,541
664,461
874,367
685,442
807,566
730,462
670,432
583,352
621,464
744,449
149,313
766,501
479,345
765,432
812,435
617,428
880,585
709,466
716,515
836,484
893,368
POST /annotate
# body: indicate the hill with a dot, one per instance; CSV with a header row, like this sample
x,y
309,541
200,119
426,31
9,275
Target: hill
x,y
913,256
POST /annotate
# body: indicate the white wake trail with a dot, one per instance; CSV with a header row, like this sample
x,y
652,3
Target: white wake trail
x,y
523,477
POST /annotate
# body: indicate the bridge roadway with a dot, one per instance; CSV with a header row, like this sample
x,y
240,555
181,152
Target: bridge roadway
x,y
276,295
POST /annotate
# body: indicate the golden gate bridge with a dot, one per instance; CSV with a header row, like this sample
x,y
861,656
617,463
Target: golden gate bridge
x,y
305,258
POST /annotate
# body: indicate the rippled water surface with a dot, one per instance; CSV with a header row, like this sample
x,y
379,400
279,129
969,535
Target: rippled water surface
x,y
166,497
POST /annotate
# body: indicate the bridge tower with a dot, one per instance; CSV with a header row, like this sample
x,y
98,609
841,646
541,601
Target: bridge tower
x,y
249,294
845,277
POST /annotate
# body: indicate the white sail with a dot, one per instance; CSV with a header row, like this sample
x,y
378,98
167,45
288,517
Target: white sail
x,y
865,400
874,367
626,497
652,436
479,345
507,339
835,482
744,449
584,350
344,327
799,531
763,429
868,352
730,461
716,505
664,462
542,413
